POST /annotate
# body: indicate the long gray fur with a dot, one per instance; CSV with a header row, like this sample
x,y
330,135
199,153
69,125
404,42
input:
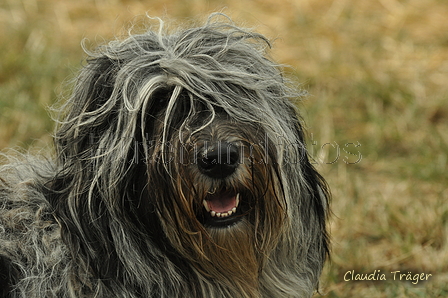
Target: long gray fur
x,y
102,217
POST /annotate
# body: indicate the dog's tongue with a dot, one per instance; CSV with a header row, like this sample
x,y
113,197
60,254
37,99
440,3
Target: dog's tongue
x,y
221,202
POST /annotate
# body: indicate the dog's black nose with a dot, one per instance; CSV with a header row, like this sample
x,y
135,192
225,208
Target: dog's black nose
x,y
218,160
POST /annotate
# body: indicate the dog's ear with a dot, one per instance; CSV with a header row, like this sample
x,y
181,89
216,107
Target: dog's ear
x,y
314,181
97,177
315,203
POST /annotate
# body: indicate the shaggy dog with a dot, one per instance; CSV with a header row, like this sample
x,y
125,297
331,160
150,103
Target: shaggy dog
x,y
180,171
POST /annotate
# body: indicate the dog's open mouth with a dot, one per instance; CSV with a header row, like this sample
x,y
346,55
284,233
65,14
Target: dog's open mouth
x,y
222,209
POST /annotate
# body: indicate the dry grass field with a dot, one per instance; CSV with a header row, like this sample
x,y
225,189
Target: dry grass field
x,y
377,114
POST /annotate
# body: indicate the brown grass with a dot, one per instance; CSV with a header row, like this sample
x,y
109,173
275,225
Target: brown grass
x,y
377,72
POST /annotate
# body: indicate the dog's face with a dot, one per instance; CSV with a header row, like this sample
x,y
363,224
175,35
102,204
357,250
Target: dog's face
x,y
222,170
188,146
222,205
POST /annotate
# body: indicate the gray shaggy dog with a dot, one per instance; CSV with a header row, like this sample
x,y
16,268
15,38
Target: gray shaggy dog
x,y
180,171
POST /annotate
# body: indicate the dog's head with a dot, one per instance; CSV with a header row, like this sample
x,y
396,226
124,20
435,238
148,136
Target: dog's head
x,y
187,146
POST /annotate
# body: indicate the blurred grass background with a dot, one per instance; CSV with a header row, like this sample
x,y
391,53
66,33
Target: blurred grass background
x,y
377,114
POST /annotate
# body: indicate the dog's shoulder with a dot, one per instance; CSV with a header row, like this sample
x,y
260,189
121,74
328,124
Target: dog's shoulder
x,y
23,203
29,234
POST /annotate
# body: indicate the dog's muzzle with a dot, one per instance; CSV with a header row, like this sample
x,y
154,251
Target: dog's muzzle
x,y
219,161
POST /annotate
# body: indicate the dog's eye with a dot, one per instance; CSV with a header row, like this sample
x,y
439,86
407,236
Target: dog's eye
x,y
161,102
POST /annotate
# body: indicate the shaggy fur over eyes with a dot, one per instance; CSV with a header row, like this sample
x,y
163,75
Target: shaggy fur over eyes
x,y
180,170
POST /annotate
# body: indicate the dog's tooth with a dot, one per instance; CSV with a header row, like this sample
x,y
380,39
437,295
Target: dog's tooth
x,y
218,214
237,200
225,214
229,212
234,209
206,205
213,213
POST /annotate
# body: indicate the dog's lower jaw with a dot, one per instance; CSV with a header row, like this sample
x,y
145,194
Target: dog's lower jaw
x,y
228,222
